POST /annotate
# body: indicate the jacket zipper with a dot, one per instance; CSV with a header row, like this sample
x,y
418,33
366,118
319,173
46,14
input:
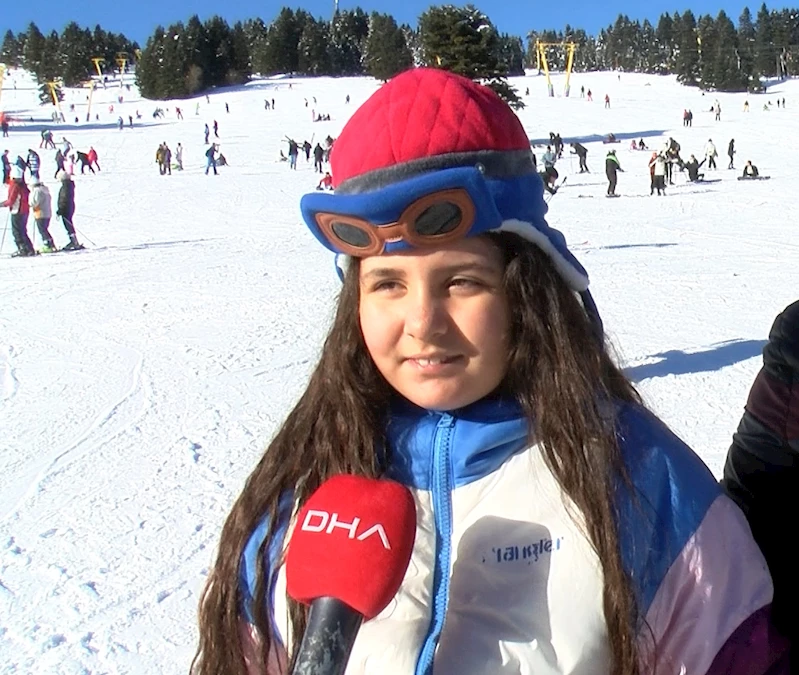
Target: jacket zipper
x,y
441,489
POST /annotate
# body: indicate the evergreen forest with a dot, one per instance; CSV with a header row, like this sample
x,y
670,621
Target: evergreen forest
x,y
185,59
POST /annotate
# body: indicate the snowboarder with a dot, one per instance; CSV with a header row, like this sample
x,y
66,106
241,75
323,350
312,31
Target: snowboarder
x,y
326,183
731,152
66,209
40,203
580,150
750,170
612,167
17,203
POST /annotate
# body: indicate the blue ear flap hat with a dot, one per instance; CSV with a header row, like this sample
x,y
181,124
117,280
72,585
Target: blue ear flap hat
x,y
431,132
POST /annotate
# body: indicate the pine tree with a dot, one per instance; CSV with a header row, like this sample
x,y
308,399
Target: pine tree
x,y
256,33
765,56
51,65
76,50
281,54
11,51
746,45
147,68
687,58
240,63
197,56
707,44
664,37
34,49
464,41
313,49
386,52
349,31
728,74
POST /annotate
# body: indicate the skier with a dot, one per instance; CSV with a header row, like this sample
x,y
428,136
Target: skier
x,y
216,129
731,152
318,156
306,148
612,167
692,166
711,154
6,167
40,204
474,372
66,209
607,100
210,154
179,156
580,150
549,158
548,176
207,132
17,203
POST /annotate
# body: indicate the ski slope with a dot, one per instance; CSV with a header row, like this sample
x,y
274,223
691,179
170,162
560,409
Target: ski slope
x,y
140,379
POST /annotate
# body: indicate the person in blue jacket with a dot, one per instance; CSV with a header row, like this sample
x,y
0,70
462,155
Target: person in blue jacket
x,y
561,526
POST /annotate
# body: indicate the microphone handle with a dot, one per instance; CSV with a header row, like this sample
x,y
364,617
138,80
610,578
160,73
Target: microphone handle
x,y
325,648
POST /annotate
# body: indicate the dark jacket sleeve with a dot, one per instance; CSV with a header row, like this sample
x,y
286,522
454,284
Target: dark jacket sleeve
x,y
762,469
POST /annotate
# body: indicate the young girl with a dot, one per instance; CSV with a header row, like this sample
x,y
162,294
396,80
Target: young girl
x,y
562,528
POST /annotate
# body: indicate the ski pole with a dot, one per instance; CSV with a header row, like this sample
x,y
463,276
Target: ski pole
x,y
5,227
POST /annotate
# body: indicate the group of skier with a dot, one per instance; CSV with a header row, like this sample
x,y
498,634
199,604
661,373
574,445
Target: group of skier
x,y
22,200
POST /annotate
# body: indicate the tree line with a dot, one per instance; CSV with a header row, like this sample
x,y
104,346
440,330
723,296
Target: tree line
x,y
66,57
185,59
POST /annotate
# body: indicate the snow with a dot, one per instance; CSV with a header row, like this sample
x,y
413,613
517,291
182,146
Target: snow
x,y
141,379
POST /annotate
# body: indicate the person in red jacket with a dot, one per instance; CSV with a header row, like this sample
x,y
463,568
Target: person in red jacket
x,y
17,202
92,155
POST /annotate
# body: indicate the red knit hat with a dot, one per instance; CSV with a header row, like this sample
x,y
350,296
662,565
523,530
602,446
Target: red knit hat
x,y
423,113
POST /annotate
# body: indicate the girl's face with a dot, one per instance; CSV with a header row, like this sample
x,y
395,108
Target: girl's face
x,y
436,321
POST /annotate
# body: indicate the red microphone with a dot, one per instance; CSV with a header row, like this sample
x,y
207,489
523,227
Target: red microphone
x,y
346,559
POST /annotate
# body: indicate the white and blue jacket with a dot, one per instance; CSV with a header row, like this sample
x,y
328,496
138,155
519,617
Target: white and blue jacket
x,y
503,580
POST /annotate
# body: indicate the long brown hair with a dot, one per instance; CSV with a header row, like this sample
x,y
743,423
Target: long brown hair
x,y
558,372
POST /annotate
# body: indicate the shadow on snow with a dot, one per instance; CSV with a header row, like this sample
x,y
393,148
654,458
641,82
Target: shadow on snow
x,y
676,362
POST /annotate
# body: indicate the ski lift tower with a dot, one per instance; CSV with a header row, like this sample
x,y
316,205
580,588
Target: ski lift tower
x,y
541,58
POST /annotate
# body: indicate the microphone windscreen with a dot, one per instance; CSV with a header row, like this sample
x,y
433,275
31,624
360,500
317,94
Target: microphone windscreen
x,y
352,541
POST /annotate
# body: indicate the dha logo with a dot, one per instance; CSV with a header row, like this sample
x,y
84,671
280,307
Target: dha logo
x,y
322,521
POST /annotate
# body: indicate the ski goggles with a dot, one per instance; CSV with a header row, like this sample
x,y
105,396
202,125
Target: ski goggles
x,y
428,210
